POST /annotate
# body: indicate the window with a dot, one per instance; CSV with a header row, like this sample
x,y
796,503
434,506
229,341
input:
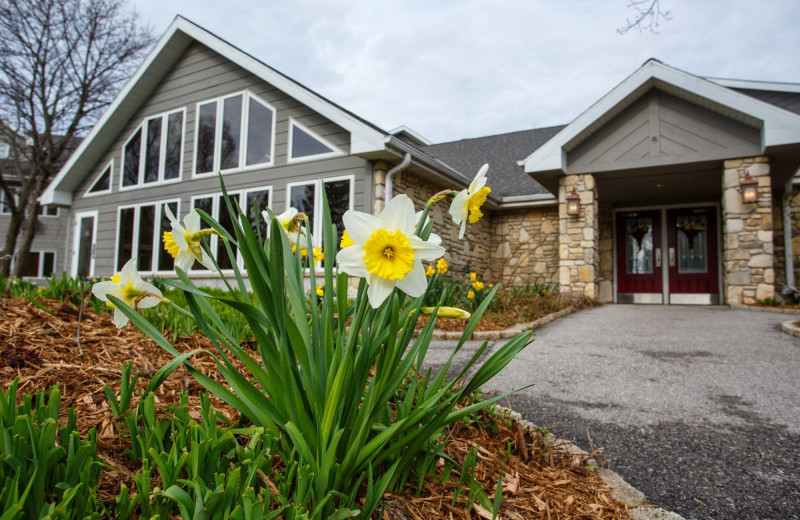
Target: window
x,y
252,202
305,145
339,192
139,232
233,133
154,152
48,211
5,150
5,208
39,264
103,182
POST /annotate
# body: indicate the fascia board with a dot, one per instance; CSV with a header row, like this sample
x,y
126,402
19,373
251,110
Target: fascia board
x,y
773,86
779,126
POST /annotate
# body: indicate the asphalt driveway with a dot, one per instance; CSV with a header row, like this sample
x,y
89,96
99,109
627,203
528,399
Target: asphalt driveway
x,y
697,407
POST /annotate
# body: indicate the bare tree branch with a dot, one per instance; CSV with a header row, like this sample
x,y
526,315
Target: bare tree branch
x,y
648,16
61,64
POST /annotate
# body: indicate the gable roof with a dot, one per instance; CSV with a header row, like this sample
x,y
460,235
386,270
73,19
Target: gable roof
x,y
365,137
778,126
501,151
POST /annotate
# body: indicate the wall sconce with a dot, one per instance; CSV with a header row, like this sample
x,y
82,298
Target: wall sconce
x,y
573,204
749,189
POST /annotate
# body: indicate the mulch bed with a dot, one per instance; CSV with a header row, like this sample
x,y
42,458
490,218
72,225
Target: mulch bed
x,y
540,480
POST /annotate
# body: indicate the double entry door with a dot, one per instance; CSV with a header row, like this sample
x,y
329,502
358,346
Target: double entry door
x,y
667,256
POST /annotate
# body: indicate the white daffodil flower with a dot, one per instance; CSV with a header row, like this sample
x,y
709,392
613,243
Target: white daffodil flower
x,y
129,287
183,243
468,202
386,251
290,225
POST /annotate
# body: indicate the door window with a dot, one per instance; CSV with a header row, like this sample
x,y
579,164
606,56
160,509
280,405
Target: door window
x,y
639,245
692,244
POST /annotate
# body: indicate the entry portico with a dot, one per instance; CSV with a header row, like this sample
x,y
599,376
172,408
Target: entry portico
x,y
657,167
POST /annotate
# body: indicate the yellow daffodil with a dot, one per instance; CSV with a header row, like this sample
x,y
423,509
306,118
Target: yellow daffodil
x,y
471,295
320,291
430,271
477,285
441,266
129,287
386,251
467,203
447,312
319,256
346,240
183,243
473,277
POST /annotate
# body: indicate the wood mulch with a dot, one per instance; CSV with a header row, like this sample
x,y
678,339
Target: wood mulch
x,y
541,481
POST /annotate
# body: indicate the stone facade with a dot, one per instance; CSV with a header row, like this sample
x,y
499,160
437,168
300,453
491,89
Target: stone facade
x,y
777,226
473,252
525,246
748,249
605,276
578,237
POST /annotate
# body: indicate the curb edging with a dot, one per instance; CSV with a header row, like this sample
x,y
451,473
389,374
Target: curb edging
x,y
489,335
790,328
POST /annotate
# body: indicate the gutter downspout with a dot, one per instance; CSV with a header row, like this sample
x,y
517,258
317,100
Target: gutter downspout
x,y
787,234
390,175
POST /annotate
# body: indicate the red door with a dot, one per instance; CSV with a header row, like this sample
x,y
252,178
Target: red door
x,y
639,271
692,255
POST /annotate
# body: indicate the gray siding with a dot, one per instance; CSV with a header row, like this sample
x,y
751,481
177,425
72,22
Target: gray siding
x,y
661,129
50,235
203,75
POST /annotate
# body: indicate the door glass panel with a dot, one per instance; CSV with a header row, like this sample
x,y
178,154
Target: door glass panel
x,y
692,244
85,246
639,246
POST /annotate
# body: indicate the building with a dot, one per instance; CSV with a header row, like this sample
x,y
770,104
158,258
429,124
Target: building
x,y
639,199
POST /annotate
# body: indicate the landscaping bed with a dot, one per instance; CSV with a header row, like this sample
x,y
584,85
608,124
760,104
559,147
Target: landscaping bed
x,y
540,480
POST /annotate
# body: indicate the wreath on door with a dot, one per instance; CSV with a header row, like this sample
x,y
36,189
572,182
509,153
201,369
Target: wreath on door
x,y
638,232
691,228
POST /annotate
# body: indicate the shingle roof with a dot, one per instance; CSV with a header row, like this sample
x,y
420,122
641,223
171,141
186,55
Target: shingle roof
x,y
786,100
502,153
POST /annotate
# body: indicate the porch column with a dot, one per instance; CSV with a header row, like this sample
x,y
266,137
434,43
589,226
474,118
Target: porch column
x,y
578,237
379,183
747,250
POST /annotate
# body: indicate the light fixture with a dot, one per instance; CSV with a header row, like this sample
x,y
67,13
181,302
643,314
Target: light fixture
x,y
749,189
573,204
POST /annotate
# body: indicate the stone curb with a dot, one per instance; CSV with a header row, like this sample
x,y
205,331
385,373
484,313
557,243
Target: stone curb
x,y
764,308
488,335
790,328
620,489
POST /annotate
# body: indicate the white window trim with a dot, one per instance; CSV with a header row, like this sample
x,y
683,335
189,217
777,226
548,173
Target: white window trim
x,y
140,184
244,134
45,215
76,241
336,151
159,204
318,185
89,193
215,211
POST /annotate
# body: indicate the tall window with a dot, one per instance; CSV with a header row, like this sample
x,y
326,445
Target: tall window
x,y
305,198
154,152
140,230
234,132
251,202
305,145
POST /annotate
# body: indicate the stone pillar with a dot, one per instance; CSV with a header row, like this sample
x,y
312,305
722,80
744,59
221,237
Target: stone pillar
x,y
379,170
748,254
578,237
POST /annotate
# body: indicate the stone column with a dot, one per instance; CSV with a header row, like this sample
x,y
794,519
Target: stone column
x,y
379,170
578,237
748,251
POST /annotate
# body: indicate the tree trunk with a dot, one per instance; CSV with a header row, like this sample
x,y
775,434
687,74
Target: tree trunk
x,y
28,232
11,243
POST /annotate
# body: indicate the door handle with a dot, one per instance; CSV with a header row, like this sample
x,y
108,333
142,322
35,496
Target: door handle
x,y
672,257
658,257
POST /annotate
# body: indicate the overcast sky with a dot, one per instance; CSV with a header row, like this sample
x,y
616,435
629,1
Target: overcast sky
x,y
469,68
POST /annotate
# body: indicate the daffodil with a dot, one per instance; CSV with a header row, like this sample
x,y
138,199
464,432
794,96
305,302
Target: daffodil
x,y
467,203
433,238
386,251
477,285
319,256
471,295
129,287
473,277
447,312
290,223
430,271
346,240
183,243
320,291
441,266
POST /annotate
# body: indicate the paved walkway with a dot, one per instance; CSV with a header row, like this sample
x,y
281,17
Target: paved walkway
x,y
697,407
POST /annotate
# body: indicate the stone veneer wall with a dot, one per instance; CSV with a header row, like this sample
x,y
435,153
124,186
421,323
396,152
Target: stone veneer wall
x,y
605,276
777,228
463,256
748,249
578,237
525,246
